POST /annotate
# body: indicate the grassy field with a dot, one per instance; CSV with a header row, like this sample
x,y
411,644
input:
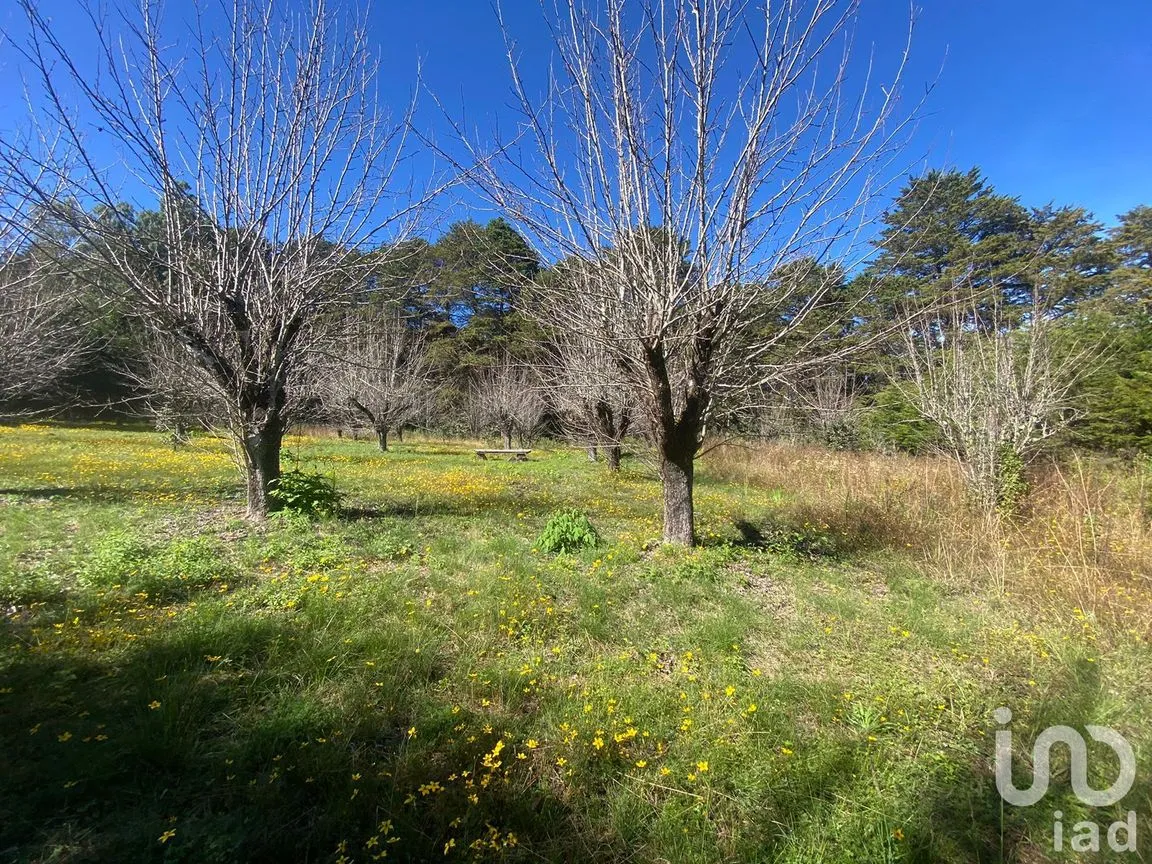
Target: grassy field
x,y
416,681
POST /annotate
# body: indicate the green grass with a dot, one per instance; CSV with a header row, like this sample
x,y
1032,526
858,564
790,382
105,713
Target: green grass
x,y
415,678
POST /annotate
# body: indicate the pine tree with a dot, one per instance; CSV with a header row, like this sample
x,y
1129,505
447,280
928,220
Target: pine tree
x,y
1117,399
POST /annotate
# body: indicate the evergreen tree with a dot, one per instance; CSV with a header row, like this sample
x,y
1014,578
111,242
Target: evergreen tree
x,y
950,235
479,273
1117,398
946,229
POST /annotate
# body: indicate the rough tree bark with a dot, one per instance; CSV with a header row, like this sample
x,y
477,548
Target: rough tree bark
x,y
676,476
678,432
262,464
612,456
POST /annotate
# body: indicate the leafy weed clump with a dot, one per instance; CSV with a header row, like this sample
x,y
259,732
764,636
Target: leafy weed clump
x,y
568,531
306,492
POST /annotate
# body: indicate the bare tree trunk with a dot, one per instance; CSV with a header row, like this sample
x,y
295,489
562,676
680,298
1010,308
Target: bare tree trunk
x,y
676,475
262,465
593,454
382,438
507,439
181,435
400,433
611,430
677,431
612,455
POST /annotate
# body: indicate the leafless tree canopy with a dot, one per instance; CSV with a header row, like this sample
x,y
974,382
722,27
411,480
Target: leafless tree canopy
x,y
41,337
596,403
178,396
682,153
40,334
381,376
995,388
507,400
822,402
272,168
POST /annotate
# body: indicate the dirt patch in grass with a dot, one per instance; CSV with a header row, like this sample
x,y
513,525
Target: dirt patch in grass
x,y
771,593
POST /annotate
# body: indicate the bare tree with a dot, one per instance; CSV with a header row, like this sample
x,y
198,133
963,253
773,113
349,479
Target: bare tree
x,y
41,333
41,328
257,135
997,385
178,396
828,405
684,152
507,399
596,404
382,377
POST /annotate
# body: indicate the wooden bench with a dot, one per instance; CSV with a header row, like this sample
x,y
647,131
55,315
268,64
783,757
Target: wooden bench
x,y
518,455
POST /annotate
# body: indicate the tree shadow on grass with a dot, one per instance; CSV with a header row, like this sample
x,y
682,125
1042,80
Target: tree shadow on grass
x,y
253,739
968,805
507,502
812,532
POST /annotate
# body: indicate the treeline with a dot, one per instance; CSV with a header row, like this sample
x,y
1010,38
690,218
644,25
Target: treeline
x,y
951,238
450,311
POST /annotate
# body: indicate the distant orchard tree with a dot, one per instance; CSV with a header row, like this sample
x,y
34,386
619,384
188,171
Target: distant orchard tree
x,y
507,399
179,397
596,404
381,377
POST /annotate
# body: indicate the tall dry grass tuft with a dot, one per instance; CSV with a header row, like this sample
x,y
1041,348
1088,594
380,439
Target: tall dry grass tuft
x,y
1080,544
1086,539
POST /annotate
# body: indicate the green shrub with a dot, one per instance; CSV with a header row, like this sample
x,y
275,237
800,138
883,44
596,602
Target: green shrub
x,y
841,435
305,492
568,531
806,541
787,538
23,586
891,421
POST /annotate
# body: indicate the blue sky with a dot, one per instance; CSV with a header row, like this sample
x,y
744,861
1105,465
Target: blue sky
x,y
1052,99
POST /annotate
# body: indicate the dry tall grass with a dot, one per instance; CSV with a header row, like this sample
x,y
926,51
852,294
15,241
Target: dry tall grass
x,y
1081,543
